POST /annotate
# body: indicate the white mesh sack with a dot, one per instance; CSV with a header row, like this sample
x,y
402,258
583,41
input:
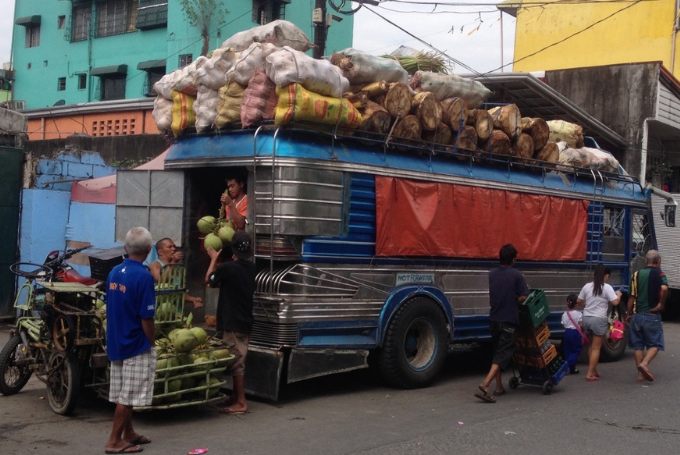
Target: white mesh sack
x,y
362,68
449,85
280,33
249,61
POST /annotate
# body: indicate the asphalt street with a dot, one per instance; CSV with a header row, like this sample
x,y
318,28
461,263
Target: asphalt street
x,y
353,414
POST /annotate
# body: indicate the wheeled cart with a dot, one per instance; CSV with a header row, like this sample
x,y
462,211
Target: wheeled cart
x,y
537,362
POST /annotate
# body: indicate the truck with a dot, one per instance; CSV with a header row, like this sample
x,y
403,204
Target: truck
x,y
370,254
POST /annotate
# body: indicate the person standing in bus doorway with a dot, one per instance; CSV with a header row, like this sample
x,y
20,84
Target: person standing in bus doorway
x,y
507,289
130,309
648,292
235,201
236,280
168,254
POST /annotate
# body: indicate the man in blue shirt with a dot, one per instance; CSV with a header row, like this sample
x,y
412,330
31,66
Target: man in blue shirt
x,y
130,309
507,289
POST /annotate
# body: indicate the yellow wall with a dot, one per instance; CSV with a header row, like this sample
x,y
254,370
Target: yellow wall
x,y
641,33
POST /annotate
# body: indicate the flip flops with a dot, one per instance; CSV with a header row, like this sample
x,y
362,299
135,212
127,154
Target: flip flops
x,y
230,411
646,373
130,448
142,440
487,398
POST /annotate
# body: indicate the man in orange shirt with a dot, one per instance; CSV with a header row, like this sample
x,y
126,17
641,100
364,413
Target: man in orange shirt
x,y
235,201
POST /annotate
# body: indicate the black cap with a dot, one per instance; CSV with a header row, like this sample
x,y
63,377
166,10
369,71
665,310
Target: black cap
x,y
242,245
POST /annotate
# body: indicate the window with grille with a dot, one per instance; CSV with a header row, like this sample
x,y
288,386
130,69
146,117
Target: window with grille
x,y
266,11
61,84
32,35
112,87
82,81
153,75
641,233
116,17
61,22
184,60
82,15
152,14
613,221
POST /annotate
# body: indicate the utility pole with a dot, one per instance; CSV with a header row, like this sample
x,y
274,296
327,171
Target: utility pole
x,y
320,28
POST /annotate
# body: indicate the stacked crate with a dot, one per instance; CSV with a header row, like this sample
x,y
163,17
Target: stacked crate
x,y
536,355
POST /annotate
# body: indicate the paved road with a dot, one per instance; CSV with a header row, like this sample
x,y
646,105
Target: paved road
x,y
350,414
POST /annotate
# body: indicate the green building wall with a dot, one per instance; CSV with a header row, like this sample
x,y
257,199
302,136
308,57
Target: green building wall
x,y
38,69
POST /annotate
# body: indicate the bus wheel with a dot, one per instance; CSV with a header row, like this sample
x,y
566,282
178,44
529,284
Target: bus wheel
x,y
612,351
415,344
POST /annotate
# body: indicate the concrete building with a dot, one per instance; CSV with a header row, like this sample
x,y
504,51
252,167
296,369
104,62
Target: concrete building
x,y
559,35
80,51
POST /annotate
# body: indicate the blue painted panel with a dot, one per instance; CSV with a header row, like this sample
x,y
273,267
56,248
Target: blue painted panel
x,y
344,334
43,223
93,223
53,167
78,170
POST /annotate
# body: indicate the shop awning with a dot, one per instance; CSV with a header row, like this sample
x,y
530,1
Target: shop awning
x,y
104,70
28,20
150,64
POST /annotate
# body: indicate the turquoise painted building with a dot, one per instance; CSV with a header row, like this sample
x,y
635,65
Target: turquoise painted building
x,y
78,51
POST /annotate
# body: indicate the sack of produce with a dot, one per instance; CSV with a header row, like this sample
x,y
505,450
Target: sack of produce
x,y
164,85
280,33
185,81
205,107
296,103
259,100
570,133
182,112
449,85
361,68
229,106
288,66
573,156
248,61
162,114
213,72
602,160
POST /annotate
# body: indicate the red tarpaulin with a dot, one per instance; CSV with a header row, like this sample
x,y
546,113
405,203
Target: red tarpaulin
x,y
443,220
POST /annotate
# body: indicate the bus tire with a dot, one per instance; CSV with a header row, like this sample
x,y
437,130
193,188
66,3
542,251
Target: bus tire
x,y
612,351
415,345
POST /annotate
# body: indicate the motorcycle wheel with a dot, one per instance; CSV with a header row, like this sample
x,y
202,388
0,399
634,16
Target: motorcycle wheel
x,y
14,373
63,382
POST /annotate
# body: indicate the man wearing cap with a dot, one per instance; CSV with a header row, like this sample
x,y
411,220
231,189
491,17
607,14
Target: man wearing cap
x,y
236,280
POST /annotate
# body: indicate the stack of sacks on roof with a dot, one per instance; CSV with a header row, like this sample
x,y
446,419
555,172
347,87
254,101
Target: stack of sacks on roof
x,y
586,157
263,74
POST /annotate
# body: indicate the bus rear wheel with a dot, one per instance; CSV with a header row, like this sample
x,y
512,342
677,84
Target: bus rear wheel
x,y
415,345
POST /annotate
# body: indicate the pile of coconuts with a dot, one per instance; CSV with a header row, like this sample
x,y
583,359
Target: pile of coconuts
x,y
218,232
185,352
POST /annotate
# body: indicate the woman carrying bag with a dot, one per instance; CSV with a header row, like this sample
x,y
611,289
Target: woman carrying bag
x,y
596,297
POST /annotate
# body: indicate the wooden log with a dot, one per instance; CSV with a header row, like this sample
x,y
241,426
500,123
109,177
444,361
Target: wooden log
x,y
538,129
549,154
498,144
398,100
427,108
358,100
453,111
407,132
466,142
441,137
507,119
523,148
483,123
375,119
375,89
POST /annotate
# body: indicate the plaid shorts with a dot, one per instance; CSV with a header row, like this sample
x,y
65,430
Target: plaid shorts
x,y
131,382
240,341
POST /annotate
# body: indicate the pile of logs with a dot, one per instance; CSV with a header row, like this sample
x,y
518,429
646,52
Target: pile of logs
x,y
421,120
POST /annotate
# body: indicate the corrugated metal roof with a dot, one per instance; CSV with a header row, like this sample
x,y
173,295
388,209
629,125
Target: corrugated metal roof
x,y
535,98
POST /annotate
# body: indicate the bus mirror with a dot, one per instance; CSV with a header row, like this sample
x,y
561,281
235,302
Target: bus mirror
x,y
669,214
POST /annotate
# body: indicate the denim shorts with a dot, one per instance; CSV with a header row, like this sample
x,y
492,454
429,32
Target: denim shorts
x,y
596,326
646,331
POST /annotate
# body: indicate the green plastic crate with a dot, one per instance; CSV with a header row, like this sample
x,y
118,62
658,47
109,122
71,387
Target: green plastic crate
x,y
534,309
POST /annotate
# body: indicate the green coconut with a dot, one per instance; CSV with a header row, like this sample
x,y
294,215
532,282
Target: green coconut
x,y
185,359
174,385
189,383
202,363
220,353
225,234
213,387
184,340
227,223
212,241
206,224
165,363
166,312
200,335
99,304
